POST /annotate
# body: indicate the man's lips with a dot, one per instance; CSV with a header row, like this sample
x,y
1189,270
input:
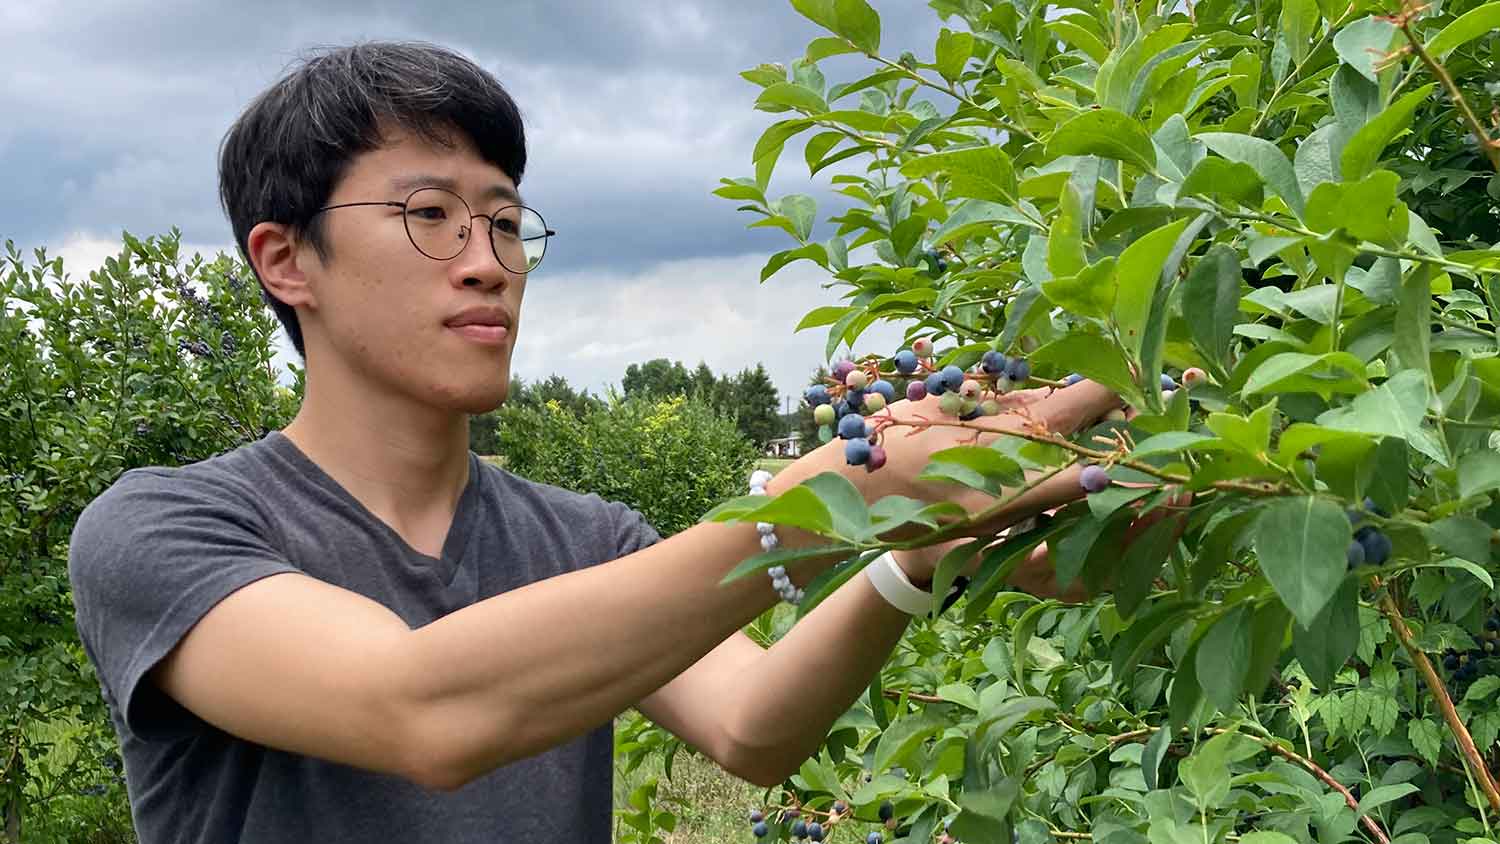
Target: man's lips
x,y
490,335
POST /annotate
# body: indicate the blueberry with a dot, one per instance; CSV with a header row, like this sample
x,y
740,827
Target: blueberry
x,y
1467,672
887,811
877,458
916,391
852,427
1019,370
993,362
855,398
760,830
799,829
935,384
1370,505
824,414
1356,554
815,831
873,838
1354,516
1492,624
1074,378
817,394
973,414
953,377
756,816
841,409
842,369
885,388
1094,479
1450,661
856,452
1167,383
1377,547
906,361
840,807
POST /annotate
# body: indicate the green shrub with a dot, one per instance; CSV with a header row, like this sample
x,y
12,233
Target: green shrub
x,y
145,362
672,459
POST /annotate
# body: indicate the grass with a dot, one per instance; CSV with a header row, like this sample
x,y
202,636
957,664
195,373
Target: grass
x,y
773,464
714,804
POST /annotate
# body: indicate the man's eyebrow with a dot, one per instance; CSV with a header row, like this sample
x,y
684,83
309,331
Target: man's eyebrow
x,y
411,183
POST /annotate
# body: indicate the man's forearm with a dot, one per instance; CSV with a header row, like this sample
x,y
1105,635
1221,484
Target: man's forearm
x,y
810,677
518,673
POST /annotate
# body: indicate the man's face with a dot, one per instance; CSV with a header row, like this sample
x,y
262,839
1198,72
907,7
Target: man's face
x,y
382,307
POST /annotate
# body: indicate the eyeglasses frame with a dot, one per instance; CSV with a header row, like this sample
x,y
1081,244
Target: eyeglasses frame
x,y
547,233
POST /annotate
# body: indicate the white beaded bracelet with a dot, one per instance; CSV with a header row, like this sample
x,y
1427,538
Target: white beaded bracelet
x,y
768,542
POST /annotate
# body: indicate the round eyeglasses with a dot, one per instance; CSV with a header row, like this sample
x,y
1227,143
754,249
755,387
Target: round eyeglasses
x,y
437,222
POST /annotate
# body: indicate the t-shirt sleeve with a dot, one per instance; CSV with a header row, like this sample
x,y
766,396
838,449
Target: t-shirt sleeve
x,y
632,531
148,558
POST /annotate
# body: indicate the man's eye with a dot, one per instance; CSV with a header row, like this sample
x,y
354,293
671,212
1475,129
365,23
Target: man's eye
x,y
431,212
505,227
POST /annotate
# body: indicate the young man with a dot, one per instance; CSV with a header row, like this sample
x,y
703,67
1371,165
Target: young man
x,y
353,629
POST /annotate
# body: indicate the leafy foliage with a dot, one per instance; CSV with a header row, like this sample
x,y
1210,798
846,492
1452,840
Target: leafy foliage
x,y
146,362
1267,191
748,397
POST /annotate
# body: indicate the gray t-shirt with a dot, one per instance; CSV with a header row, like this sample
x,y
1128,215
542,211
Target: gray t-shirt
x,y
158,549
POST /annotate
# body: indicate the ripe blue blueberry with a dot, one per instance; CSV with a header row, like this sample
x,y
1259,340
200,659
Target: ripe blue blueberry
x,y
1019,370
1370,505
1074,378
855,398
799,829
953,377
885,388
852,427
873,838
756,816
916,391
839,807
857,452
887,811
1377,547
906,361
1167,383
993,362
935,384
760,830
817,394
1094,479
1450,661
815,831
1356,554
841,409
973,414
1492,624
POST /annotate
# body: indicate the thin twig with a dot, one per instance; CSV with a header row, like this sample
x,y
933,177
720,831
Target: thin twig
x,y
1486,145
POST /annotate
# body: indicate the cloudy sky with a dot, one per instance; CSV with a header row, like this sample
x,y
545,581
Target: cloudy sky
x,y
113,111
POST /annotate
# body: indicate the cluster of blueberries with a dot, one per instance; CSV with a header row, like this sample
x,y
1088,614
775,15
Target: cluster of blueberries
x,y
1370,544
1465,666
803,830
855,393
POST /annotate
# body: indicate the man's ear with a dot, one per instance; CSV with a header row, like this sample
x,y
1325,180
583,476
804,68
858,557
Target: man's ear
x,y
276,253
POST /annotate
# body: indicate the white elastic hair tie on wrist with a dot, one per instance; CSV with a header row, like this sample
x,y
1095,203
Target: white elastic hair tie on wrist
x,y
892,584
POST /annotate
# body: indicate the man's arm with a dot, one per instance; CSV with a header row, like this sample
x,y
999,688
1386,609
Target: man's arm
x,y
303,666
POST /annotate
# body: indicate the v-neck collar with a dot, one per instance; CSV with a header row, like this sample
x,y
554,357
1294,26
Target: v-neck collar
x,y
458,530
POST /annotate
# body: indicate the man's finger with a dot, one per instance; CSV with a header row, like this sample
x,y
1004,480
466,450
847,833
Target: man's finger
x,y
1071,408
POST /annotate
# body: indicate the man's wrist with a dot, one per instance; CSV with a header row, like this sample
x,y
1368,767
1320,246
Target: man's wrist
x,y
919,576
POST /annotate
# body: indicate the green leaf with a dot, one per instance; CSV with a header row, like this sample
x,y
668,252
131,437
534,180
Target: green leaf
x,y
1210,301
821,48
1168,441
1267,160
1090,292
1324,647
848,514
1427,737
978,216
976,466
1267,836
1142,562
1220,178
1300,542
953,51
781,556
1253,435
859,23
820,12
1102,504
1362,43
1080,38
1094,358
902,737
1336,371
1151,756
1472,24
1384,794
1413,339
1368,209
1138,275
811,252
791,95
1224,657
822,315
1364,149
1389,486
1106,133
1395,408
800,209
1478,472
1065,252
982,172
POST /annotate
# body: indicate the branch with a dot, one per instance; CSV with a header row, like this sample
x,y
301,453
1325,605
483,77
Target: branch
x,y
1486,145
1440,695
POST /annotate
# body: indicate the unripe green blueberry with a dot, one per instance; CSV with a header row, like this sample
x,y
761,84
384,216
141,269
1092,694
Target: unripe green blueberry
x,y
1003,385
874,402
969,406
823,414
990,407
951,404
857,380
1115,415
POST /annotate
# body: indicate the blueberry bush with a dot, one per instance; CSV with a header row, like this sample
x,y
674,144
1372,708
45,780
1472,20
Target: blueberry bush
x,y
1270,226
151,360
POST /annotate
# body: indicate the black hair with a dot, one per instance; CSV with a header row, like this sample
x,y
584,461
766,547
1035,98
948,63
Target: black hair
x,y
286,153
